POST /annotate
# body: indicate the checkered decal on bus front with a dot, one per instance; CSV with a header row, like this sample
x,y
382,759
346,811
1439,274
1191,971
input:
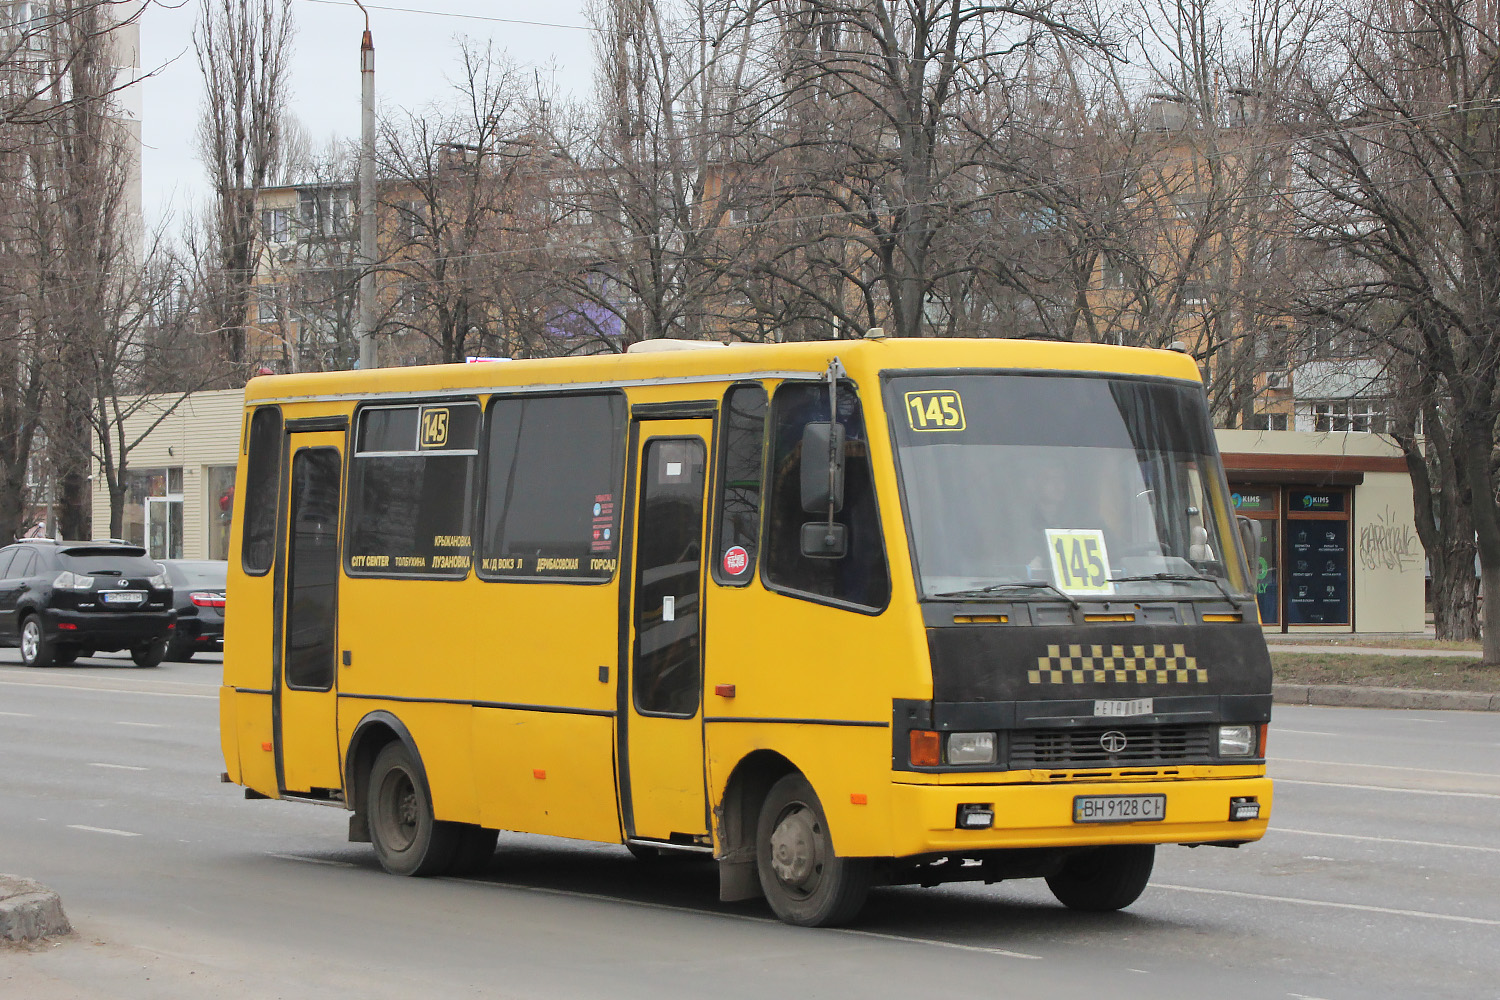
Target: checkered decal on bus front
x,y
1154,667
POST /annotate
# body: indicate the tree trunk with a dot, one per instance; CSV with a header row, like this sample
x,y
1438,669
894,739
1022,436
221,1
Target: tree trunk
x,y
1489,589
1443,525
1455,595
117,508
73,505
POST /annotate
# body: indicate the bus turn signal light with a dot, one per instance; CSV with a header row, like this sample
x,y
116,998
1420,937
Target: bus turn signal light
x,y
926,748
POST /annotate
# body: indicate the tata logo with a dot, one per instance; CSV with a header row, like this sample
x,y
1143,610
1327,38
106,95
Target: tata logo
x,y
1113,741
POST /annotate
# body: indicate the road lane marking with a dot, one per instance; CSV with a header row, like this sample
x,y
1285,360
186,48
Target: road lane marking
x,y
102,829
117,767
105,690
312,861
1388,840
850,932
1387,788
19,715
143,725
1386,767
1361,907
952,945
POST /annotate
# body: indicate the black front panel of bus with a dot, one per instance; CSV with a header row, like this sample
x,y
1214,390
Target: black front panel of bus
x,y
989,663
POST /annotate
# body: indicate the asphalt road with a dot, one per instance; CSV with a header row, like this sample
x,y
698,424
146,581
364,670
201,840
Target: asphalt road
x,y
1380,878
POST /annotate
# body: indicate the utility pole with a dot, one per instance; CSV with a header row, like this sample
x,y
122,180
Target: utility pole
x,y
367,250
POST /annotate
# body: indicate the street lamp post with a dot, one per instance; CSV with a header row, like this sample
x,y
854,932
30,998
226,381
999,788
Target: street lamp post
x,y
367,196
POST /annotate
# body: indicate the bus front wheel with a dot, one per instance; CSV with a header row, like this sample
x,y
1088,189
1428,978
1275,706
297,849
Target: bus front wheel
x,y
406,837
804,881
1104,878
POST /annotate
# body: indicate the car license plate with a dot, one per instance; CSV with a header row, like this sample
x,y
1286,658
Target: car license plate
x,y
123,597
1121,709
1119,808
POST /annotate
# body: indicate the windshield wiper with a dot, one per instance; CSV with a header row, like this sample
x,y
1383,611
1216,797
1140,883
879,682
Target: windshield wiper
x,y
1184,577
1013,585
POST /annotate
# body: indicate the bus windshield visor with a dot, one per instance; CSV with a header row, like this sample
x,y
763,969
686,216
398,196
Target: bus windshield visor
x,y
1057,487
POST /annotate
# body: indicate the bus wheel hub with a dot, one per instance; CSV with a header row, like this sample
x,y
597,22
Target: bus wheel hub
x,y
794,849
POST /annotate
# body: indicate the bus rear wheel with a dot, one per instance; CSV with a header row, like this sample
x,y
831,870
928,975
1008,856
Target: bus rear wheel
x,y
804,881
407,839
1104,878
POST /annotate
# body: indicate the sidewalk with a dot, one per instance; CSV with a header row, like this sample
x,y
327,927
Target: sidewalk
x,y
1354,696
1370,650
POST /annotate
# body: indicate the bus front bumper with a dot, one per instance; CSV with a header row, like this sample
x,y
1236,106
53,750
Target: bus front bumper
x,y
1197,811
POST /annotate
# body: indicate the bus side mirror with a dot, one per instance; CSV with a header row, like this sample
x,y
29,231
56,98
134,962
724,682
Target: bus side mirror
x,y
1249,538
823,468
825,540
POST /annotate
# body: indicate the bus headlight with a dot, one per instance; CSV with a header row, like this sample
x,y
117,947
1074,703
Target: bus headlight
x,y
1236,741
971,748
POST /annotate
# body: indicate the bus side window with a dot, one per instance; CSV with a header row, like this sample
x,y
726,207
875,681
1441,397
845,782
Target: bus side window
x,y
551,506
411,484
262,491
860,577
741,462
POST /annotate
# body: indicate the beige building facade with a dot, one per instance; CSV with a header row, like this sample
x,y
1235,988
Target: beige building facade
x,y
1339,547
180,478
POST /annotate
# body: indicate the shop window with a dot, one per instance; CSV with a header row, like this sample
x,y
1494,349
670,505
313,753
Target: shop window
x,y
220,513
1262,503
1316,555
153,511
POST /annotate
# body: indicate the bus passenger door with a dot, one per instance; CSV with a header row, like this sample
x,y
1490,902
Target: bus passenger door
x,y
306,624
663,796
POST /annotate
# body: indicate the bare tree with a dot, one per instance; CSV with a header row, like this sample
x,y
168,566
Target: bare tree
x,y
447,190
305,298
1403,167
243,47
83,235
671,147
145,360
898,115
32,63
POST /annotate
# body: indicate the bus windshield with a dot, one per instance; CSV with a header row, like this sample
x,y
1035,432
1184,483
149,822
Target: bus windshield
x,y
1056,487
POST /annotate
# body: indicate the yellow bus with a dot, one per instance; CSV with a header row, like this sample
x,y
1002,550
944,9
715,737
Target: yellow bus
x,y
837,614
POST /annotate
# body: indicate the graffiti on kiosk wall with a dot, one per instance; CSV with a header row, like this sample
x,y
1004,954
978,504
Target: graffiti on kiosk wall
x,y
1389,542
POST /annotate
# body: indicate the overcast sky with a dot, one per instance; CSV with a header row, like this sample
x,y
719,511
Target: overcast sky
x,y
415,51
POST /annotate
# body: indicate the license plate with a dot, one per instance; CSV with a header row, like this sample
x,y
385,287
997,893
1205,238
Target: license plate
x,y
1119,709
123,597
1119,808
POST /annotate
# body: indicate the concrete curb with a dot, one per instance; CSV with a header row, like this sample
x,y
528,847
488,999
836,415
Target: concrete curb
x,y
29,911
1349,696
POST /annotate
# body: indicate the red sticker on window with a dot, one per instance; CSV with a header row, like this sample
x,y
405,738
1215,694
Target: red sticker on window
x,y
736,560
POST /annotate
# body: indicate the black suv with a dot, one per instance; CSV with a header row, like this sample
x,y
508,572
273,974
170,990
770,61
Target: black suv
x,y
63,600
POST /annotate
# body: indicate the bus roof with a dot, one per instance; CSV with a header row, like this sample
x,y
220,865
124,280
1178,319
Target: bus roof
x,y
861,358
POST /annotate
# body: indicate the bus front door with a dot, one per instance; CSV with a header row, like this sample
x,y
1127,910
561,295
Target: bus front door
x,y
306,626
662,725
